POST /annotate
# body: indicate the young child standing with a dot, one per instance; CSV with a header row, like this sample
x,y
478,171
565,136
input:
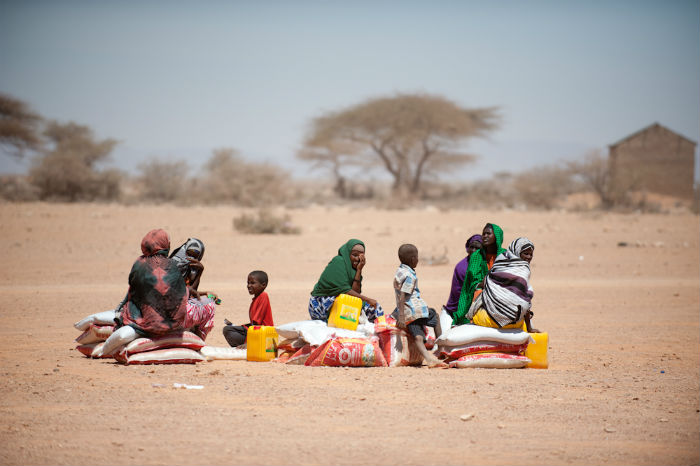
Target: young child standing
x,y
412,313
259,312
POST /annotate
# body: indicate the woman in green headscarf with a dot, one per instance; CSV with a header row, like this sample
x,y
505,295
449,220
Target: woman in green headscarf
x,y
343,274
479,265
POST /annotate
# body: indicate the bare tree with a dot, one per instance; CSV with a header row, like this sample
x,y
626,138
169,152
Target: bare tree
x,y
19,127
411,136
68,167
326,153
594,172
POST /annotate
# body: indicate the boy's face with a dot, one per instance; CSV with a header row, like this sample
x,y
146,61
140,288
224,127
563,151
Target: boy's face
x,y
526,254
254,286
413,261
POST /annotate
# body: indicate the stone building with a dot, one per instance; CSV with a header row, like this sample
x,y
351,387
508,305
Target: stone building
x,y
654,159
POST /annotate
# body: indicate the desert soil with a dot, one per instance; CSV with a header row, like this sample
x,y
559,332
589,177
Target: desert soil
x,y
624,351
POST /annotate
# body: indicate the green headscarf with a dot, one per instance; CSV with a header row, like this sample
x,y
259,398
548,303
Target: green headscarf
x,y
477,270
338,275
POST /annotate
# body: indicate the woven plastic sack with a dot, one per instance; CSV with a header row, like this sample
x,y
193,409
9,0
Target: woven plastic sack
x,y
455,352
175,340
162,356
221,352
92,350
348,352
101,318
300,357
95,334
491,361
121,337
464,334
396,349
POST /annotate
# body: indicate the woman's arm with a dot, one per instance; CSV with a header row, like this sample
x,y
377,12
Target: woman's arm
x,y
370,301
357,280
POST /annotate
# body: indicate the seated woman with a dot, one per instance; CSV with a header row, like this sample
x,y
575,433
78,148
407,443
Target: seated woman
x,y
200,308
507,296
156,302
472,245
479,265
343,274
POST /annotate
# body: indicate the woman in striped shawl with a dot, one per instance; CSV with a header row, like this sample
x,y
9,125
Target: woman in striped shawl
x,y
507,296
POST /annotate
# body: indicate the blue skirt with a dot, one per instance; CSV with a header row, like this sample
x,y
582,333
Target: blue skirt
x,y
320,308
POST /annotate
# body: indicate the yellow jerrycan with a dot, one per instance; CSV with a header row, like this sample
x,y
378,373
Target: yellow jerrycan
x,y
537,351
261,343
345,312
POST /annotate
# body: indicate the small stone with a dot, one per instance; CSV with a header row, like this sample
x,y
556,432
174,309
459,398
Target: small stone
x,y
466,417
663,419
609,430
500,426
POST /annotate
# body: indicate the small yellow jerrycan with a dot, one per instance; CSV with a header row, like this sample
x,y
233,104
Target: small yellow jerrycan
x,y
345,312
537,352
261,343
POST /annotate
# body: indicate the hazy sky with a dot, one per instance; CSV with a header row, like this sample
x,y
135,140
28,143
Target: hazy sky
x,y
179,79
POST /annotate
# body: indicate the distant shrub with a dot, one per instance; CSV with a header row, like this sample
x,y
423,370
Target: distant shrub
x,y
228,178
68,169
265,223
544,187
162,181
17,188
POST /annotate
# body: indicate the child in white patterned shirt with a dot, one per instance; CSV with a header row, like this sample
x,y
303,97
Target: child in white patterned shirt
x,y
412,311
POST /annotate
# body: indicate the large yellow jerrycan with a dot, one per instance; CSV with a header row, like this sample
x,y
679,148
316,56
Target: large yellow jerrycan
x,y
537,351
345,312
261,343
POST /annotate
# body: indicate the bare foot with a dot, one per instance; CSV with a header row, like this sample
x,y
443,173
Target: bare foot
x,y
437,365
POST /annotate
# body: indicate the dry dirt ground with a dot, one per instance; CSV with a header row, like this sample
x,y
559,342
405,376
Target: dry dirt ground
x,y
622,387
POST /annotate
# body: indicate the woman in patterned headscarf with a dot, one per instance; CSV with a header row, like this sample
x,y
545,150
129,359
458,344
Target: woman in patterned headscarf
x,y
479,265
343,274
156,302
507,296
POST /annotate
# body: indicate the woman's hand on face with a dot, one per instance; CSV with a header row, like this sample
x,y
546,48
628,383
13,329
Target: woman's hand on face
x,y
361,263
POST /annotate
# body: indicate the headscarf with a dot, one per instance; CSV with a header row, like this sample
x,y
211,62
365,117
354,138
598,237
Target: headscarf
x,y
471,240
180,255
155,242
338,275
476,271
157,297
519,245
507,295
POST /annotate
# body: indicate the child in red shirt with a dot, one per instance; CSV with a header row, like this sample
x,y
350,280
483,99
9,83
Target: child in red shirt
x,y
259,312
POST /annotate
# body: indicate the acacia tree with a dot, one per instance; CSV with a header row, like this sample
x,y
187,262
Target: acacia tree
x,y
19,127
411,136
68,168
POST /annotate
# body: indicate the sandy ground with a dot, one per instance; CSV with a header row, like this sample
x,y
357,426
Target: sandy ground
x,y
622,387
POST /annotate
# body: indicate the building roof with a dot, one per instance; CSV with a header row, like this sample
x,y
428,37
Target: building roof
x,y
653,125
